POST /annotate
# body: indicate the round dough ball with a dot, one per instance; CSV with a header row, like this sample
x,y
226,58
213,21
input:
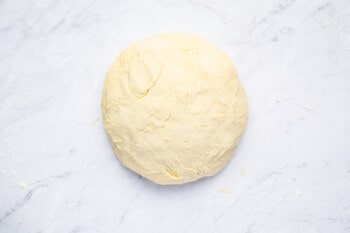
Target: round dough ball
x,y
173,108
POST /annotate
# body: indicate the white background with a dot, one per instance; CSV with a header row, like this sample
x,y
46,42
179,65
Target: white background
x,y
290,173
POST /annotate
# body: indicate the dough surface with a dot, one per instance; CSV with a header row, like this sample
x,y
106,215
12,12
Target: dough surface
x,y
173,108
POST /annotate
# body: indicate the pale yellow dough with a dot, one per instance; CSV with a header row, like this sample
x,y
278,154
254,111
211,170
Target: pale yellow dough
x,y
173,108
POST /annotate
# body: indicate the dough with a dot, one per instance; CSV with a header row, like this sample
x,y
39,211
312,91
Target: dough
x,y
173,108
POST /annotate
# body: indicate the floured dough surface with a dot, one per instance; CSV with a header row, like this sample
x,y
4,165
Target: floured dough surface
x,y
173,108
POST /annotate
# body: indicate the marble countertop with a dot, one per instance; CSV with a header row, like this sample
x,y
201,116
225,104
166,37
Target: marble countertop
x,y
290,173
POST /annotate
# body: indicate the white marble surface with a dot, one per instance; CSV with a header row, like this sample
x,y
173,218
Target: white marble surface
x,y
291,172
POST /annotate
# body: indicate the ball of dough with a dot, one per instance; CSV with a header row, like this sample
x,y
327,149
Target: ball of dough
x,y
173,108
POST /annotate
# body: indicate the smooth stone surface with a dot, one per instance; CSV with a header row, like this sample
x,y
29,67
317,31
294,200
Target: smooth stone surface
x,y
290,173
